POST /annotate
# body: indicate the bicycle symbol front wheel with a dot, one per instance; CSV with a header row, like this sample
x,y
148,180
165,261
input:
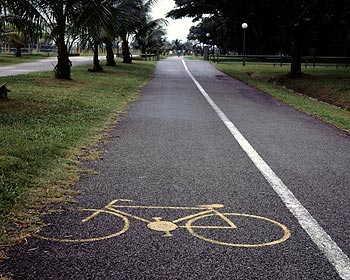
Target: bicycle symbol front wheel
x,y
75,230
252,231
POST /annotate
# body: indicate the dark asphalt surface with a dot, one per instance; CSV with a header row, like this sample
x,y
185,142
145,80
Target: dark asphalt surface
x,y
171,149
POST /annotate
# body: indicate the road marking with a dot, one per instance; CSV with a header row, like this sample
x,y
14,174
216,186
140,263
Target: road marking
x,y
70,239
330,249
191,228
217,221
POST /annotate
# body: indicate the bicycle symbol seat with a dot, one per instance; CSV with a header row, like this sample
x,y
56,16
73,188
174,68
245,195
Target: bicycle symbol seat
x,y
207,223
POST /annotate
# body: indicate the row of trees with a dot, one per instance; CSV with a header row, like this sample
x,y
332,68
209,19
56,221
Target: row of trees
x,y
293,27
89,22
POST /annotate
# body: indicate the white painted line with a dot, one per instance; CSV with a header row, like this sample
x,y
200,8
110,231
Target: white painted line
x,y
329,248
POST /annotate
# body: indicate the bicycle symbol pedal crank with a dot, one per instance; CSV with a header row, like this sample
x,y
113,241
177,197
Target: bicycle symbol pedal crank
x,y
163,226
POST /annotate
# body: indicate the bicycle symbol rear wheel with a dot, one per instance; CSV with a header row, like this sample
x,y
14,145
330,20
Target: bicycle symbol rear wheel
x,y
80,232
252,231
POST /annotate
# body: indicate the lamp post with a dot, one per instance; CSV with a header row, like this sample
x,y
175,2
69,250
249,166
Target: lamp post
x,y
206,49
195,47
244,26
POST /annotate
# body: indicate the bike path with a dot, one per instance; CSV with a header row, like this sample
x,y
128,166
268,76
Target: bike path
x,y
172,151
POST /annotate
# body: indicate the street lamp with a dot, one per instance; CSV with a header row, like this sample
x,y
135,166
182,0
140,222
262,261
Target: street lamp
x,y
209,42
244,26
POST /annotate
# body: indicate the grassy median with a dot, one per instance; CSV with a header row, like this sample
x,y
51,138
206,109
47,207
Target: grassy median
x,y
323,92
47,126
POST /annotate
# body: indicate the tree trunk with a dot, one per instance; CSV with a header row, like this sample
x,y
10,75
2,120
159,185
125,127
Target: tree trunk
x,y
126,52
110,55
258,40
97,67
295,70
18,50
62,69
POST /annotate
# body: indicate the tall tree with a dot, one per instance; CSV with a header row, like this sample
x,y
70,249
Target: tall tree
x,y
272,23
16,29
177,44
118,10
150,33
133,19
129,18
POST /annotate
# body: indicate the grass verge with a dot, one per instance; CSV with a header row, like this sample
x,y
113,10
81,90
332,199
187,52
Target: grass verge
x,y
329,85
45,128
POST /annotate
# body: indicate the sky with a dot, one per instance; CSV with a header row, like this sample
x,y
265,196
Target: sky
x,y
177,29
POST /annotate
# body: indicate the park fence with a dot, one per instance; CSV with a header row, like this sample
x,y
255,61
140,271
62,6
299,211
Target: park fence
x,y
51,50
46,49
281,60
28,49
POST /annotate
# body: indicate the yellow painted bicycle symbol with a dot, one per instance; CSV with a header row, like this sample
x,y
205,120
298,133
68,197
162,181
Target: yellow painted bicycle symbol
x,y
208,223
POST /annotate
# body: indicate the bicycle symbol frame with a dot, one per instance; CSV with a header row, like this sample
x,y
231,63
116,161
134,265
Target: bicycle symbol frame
x,y
167,227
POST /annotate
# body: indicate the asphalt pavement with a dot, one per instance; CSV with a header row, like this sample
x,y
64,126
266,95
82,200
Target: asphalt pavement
x,y
203,178
45,64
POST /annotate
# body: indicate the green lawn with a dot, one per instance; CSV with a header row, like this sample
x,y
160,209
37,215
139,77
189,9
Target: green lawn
x,y
327,84
46,127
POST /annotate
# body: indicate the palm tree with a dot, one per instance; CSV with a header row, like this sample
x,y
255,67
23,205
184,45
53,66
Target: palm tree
x,y
108,40
177,44
119,10
10,28
17,38
56,16
129,20
2,19
149,36
19,31
132,20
